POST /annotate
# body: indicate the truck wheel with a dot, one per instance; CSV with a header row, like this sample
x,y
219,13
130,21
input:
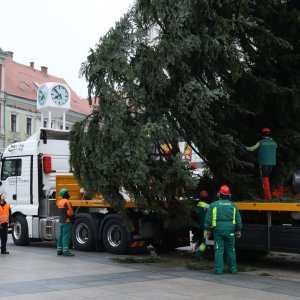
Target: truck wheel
x,y
115,237
20,231
83,235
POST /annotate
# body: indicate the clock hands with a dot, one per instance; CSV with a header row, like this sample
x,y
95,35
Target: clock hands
x,y
58,94
41,95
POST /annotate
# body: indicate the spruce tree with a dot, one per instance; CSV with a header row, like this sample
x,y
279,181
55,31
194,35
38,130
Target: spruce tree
x,y
206,72
270,90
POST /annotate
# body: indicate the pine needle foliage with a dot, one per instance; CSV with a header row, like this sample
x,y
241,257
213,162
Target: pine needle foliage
x,y
152,258
211,73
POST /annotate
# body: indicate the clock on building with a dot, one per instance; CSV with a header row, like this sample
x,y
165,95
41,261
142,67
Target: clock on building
x,y
53,99
42,94
60,94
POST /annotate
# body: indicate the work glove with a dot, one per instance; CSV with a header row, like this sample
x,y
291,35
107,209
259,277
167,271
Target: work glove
x,y
238,234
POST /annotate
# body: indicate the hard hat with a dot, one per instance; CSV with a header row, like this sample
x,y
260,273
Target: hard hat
x,y
224,190
266,130
62,192
204,194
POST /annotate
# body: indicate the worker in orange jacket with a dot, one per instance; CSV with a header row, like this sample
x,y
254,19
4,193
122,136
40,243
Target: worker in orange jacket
x,y
66,216
5,220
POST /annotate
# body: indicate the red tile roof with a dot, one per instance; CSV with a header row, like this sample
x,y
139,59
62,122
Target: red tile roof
x,y
20,81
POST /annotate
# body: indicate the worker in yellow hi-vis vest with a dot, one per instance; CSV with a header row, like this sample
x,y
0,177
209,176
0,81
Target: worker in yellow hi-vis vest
x,y
202,207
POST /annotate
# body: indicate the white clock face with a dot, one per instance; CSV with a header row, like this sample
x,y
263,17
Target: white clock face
x,y
42,94
59,94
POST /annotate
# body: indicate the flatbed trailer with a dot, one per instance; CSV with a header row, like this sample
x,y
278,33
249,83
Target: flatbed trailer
x,y
97,224
267,226
270,226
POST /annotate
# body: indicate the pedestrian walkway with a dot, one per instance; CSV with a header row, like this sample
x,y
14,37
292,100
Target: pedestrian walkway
x,y
35,272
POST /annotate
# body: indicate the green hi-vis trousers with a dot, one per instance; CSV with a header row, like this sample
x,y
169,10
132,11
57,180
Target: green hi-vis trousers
x,y
225,243
64,238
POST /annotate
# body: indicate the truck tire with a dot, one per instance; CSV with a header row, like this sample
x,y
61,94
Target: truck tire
x,y
115,237
20,231
83,235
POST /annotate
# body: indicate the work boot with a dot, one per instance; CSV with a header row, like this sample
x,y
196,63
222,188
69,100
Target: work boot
x,y
4,252
68,253
59,253
218,273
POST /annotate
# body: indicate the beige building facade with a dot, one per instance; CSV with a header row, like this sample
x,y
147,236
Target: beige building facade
x,y
19,117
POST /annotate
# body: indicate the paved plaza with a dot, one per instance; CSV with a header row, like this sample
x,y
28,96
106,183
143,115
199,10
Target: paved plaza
x,y
35,272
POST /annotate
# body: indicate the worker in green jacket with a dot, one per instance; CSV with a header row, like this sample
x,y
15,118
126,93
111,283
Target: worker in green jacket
x,y
266,158
224,219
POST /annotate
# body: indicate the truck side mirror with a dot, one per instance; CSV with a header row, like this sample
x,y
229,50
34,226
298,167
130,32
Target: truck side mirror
x,y
43,136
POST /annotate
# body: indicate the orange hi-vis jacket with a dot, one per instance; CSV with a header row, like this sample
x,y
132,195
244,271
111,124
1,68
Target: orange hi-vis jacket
x,y
65,211
4,213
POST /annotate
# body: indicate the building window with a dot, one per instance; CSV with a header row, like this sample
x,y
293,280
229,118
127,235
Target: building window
x,y
66,127
28,126
13,123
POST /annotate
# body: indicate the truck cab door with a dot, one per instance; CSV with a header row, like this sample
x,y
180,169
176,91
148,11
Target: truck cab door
x,y
16,182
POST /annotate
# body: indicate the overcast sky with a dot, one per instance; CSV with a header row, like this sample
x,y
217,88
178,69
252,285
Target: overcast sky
x,y
57,33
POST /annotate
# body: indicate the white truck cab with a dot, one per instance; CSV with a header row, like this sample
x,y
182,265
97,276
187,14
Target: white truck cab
x,y
27,180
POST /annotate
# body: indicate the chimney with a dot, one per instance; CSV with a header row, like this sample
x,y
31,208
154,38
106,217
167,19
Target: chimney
x,y
32,65
10,55
44,70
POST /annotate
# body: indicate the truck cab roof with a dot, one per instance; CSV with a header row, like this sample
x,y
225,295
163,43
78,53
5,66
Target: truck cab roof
x,y
30,146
